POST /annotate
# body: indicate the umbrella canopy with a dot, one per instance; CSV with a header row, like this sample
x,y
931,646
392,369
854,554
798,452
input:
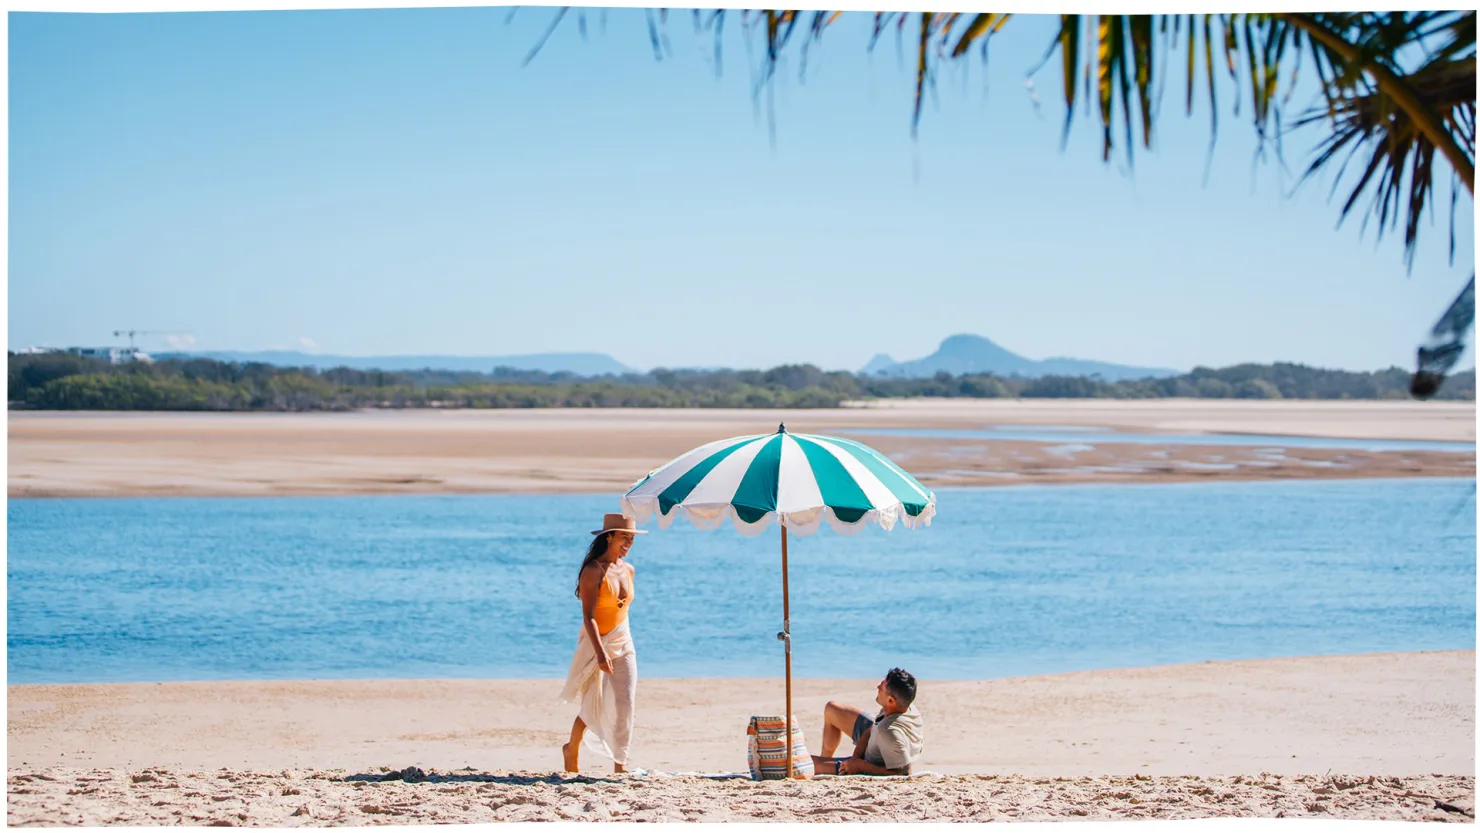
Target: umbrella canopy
x,y
802,478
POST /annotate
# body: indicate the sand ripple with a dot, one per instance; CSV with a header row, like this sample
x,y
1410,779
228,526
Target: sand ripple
x,y
293,798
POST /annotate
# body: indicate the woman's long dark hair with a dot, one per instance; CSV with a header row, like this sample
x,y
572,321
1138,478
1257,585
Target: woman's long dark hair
x,y
597,550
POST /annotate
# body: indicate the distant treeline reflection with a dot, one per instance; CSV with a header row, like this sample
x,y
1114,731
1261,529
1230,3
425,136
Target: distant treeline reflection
x,y
59,381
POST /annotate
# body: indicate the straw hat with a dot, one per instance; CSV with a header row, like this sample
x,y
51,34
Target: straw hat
x,y
617,522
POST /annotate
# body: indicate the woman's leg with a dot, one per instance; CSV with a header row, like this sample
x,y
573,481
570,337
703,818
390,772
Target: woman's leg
x,y
624,686
572,750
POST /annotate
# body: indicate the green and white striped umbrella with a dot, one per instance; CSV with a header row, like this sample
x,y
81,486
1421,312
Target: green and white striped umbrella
x,y
801,478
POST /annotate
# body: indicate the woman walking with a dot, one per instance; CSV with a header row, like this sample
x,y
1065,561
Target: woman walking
x,y
603,673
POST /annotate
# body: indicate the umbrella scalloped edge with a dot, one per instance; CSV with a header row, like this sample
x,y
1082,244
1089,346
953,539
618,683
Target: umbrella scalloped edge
x,y
804,522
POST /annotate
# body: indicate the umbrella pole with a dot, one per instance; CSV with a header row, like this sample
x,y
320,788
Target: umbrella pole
x,y
786,630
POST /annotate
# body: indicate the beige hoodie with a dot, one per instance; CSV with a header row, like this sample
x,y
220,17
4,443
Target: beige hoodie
x,y
896,740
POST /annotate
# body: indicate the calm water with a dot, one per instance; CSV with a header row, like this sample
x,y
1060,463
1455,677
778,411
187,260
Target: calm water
x,y
1061,433
1008,581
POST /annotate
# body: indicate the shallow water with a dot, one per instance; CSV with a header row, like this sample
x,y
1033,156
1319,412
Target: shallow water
x,y
1008,581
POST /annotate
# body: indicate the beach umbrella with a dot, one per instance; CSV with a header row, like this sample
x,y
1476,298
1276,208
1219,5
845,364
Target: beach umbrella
x,y
800,479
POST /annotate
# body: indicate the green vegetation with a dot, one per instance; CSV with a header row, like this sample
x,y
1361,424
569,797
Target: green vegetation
x,y
65,382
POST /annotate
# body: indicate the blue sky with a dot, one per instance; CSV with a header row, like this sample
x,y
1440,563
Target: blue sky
x,y
394,182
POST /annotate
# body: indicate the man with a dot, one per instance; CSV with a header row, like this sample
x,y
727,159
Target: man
x,y
885,745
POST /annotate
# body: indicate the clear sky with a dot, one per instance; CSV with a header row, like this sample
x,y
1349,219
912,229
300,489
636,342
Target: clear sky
x,y
394,182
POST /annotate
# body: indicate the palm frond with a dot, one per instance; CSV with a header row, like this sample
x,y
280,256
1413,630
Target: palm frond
x,y
922,69
1446,342
1398,175
982,26
560,15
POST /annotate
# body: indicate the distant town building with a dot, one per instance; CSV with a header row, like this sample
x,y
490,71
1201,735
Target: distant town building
x,y
112,355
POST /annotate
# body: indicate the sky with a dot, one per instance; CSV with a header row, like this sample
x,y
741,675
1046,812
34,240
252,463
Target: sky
x,y
378,182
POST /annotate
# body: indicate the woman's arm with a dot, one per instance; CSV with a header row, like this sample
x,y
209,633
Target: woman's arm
x,y
591,579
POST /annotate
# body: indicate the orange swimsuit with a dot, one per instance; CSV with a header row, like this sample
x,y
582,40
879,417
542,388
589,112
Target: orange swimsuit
x,y
609,611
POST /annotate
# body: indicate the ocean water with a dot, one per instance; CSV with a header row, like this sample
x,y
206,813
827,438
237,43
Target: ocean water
x,y
1008,581
1081,434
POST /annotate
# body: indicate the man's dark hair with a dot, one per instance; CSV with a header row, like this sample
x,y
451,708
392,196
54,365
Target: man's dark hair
x,y
901,686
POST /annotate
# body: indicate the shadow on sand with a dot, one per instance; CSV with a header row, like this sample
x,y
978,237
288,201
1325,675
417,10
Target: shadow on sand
x,y
415,775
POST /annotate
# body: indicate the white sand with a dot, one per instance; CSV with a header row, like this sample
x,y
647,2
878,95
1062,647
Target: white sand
x,y
290,798
1400,716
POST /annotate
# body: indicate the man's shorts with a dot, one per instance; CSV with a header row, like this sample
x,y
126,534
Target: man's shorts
x,y
861,725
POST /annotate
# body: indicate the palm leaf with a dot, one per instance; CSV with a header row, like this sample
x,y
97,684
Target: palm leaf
x,y
922,69
1140,29
1119,27
984,24
1398,175
1446,342
1069,44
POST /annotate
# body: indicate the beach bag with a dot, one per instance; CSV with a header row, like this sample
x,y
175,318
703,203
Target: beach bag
x,y
767,754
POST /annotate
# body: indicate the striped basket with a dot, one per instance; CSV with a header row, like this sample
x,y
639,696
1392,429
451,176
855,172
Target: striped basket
x,y
768,749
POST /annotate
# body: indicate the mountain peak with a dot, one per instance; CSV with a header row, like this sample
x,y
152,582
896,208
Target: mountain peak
x,y
976,348
965,353
878,364
967,340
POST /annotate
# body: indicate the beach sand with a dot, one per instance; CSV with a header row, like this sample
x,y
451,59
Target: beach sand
x,y
1364,736
92,454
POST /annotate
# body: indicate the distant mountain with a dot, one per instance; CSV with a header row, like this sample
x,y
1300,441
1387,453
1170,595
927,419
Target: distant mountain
x,y
961,354
581,364
878,364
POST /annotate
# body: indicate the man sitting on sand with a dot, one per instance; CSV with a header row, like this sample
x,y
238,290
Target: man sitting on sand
x,y
885,745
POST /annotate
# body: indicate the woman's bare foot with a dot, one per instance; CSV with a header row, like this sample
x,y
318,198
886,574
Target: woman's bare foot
x,y
572,758
621,768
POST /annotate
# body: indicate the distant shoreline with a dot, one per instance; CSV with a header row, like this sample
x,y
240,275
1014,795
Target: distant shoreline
x,y
67,381
133,454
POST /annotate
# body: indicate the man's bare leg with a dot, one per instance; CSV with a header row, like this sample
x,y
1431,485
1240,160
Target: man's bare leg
x,y
572,750
838,721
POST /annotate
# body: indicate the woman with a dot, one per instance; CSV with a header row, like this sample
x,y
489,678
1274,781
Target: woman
x,y
603,674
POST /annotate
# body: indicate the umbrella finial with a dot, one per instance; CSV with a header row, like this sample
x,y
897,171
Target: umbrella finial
x,y
782,429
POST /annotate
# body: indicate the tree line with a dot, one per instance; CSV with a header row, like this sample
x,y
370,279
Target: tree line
x,y
60,381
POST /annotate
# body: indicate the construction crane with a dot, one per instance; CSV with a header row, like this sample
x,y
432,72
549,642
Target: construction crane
x,y
132,333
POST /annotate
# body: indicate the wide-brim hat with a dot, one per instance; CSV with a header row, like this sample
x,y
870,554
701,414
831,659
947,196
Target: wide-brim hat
x,y
617,522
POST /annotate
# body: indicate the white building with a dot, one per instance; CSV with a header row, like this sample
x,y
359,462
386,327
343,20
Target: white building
x,y
113,355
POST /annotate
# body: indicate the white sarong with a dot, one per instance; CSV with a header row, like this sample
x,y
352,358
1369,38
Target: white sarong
x,y
606,703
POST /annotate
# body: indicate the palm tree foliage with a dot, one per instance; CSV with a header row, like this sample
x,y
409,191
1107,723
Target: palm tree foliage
x,y
1397,95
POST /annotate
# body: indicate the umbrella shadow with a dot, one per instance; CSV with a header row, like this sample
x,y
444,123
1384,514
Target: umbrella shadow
x,y
415,775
